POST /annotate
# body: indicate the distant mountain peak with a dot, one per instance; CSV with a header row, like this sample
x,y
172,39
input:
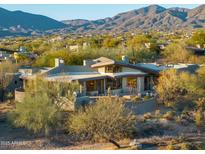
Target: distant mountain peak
x,y
152,17
153,9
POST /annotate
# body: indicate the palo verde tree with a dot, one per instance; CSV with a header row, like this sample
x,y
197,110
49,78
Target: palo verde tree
x,y
40,111
107,119
198,38
176,53
7,70
174,87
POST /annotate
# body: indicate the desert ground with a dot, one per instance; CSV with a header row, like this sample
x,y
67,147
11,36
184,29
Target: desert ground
x,y
155,134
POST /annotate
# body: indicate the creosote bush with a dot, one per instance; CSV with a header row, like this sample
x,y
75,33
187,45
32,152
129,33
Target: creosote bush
x,y
107,119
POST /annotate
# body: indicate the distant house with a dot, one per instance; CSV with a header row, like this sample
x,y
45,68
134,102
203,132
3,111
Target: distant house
x,y
74,47
22,49
56,39
78,47
197,51
5,56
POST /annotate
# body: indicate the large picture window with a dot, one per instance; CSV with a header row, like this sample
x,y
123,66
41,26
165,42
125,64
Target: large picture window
x,y
91,85
114,83
132,82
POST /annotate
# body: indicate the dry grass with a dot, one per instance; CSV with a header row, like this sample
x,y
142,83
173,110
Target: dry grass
x,y
6,106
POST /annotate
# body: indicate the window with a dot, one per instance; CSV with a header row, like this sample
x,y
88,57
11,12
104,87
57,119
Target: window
x,y
91,85
114,83
113,69
132,82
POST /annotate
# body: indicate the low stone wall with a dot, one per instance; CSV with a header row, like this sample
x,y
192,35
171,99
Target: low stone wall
x,y
142,107
19,95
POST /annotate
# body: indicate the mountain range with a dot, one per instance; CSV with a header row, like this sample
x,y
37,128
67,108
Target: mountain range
x,y
147,18
22,23
153,17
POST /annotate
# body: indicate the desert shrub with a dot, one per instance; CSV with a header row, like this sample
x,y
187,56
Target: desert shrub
x,y
157,114
178,90
106,119
198,38
177,53
7,69
168,87
135,99
199,146
201,76
199,118
150,128
147,116
172,104
178,119
147,97
185,146
200,103
169,115
170,147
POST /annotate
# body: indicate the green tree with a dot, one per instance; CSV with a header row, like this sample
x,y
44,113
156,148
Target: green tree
x,y
110,42
199,118
201,76
7,70
41,109
174,87
37,113
176,53
198,38
138,42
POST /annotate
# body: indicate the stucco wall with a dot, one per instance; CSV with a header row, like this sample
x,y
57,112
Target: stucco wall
x,y
127,69
19,95
140,84
101,69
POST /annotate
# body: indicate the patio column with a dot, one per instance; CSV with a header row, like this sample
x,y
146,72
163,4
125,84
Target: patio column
x,y
140,84
84,88
124,85
104,81
24,84
151,82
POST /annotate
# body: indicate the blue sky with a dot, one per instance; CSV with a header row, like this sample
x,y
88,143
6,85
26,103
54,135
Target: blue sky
x,y
81,11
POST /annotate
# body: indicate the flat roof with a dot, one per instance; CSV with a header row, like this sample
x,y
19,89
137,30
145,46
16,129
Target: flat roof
x,y
82,77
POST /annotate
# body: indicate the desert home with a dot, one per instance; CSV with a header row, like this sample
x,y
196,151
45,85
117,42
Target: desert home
x,y
99,76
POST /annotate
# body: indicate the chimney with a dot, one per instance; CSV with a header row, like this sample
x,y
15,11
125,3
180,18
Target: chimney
x,y
59,62
88,62
125,59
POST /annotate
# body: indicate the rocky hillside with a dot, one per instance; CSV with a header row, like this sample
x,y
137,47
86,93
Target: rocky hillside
x,y
22,23
151,17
